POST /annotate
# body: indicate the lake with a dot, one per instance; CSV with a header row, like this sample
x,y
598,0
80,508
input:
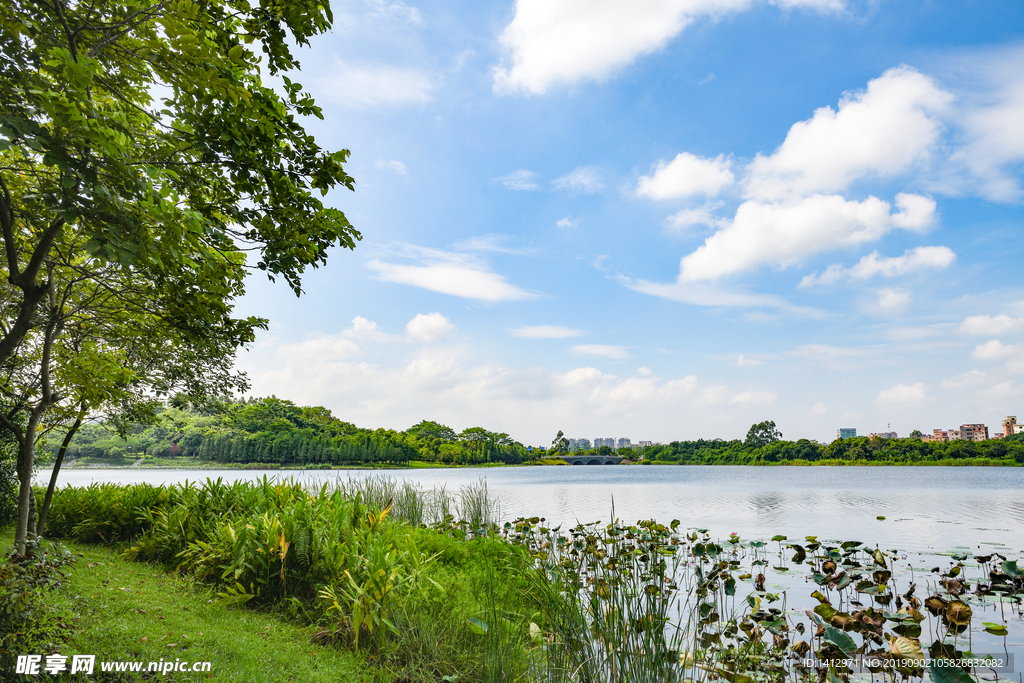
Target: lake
x,y
926,508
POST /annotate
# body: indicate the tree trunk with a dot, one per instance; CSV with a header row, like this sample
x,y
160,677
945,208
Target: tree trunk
x,y
26,455
41,524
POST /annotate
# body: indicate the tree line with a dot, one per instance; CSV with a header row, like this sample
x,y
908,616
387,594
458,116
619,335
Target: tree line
x,y
276,431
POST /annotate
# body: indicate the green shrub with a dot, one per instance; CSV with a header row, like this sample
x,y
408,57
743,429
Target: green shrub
x,y
28,622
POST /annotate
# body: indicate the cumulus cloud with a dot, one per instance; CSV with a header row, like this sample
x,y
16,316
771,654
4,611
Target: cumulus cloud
x,y
377,85
687,175
521,180
902,394
702,215
601,350
393,165
743,362
873,265
582,179
891,299
784,233
367,331
546,332
566,222
564,41
453,273
994,349
428,328
819,408
989,324
878,132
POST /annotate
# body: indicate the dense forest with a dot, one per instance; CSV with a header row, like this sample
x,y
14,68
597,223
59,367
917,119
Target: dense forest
x,y
274,431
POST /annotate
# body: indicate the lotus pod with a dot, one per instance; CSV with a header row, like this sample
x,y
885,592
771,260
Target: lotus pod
x,y
958,613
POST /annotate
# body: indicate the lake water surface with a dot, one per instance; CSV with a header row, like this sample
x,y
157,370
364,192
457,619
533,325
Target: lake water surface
x,y
926,508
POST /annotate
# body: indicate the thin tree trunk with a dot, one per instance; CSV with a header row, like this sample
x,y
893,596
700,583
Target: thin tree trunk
x,y
41,523
25,456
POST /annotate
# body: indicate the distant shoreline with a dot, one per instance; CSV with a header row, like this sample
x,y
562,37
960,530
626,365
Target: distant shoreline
x,y
269,467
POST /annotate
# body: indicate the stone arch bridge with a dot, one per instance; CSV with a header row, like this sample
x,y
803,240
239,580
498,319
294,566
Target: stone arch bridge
x,y
591,459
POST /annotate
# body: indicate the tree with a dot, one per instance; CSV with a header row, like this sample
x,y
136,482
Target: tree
x,y
560,445
916,434
174,198
762,434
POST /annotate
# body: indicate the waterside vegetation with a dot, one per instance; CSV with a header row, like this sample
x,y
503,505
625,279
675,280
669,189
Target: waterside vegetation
x,y
274,432
428,586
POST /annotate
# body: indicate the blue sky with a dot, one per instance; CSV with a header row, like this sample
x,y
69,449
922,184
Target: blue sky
x,y
664,219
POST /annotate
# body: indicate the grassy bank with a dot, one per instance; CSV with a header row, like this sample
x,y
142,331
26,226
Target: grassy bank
x,y
380,581
124,611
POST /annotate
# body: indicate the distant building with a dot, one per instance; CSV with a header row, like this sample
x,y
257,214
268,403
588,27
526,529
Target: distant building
x,y
846,433
579,444
937,435
623,443
644,444
973,432
610,443
1010,425
884,435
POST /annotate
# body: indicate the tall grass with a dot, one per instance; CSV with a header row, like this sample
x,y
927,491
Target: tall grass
x,y
428,584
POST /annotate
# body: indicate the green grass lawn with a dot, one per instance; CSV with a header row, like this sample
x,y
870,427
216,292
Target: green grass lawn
x,y
133,611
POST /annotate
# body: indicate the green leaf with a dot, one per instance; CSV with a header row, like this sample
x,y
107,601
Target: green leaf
x,y
840,639
477,626
948,674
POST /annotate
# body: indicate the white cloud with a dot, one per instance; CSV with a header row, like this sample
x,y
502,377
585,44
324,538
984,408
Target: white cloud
x,y
701,215
871,265
582,179
546,332
965,379
393,165
878,132
994,136
367,331
994,349
376,85
687,175
564,41
784,233
601,350
396,12
491,242
744,362
522,180
566,223
892,299
902,394
757,397
703,294
428,328
453,273
988,324
819,408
